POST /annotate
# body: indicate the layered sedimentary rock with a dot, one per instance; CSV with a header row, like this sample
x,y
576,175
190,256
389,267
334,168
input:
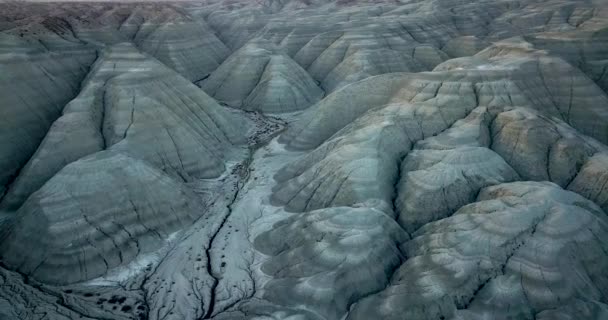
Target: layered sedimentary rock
x,y
450,161
452,166
259,77
366,63
133,104
339,58
507,254
528,81
326,250
441,160
540,148
357,165
95,214
184,44
591,179
188,46
585,50
464,46
34,87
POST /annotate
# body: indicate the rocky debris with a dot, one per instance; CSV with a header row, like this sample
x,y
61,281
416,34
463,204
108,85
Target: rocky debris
x,y
20,300
207,270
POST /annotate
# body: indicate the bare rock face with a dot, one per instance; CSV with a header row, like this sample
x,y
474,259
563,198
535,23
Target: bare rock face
x,y
194,56
487,258
315,253
366,63
132,103
324,119
588,310
357,165
74,235
339,58
453,166
188,46
35,86
260,78
591,180
304,160
464,46
463,83
539,148
585,50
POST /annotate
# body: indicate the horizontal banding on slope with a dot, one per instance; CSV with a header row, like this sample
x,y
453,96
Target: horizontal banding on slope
x,y
508,235
432,23
360,163
132,103
95,214
446,171
260,77
541,148
585,49
500,82
366,63
189,47
34,86
316,254
338,58
592,179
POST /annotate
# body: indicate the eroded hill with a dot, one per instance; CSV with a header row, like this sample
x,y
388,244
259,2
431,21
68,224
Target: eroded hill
x,y
304,159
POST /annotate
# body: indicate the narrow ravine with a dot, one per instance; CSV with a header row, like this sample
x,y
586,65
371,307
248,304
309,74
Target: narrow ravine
x,y
233,259
242,171
187,279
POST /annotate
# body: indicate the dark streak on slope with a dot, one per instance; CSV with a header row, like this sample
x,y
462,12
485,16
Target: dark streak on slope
x,y
77,90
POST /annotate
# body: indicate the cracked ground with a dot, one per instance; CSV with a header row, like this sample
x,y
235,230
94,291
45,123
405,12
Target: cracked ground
x,y
304,159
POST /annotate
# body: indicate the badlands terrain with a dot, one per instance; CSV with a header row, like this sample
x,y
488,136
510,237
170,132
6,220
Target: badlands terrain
x,y
304,160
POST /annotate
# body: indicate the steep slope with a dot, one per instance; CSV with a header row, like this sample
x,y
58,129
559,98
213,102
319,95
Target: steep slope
x,y
395,143
133,104
452,166
583,49
519,80
188,46
339,58
326,251
487,258
70,235
258,77
35,85
184,44
441,159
